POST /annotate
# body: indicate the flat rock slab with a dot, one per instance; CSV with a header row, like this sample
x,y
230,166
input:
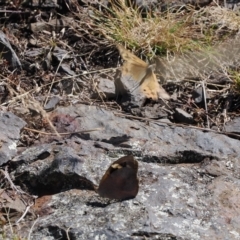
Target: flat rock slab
x,y
233,126
189,181
181,201
156,141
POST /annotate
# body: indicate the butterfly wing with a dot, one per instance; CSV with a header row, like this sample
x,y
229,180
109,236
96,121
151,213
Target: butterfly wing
x,y
151,87
120,180
132,66
143,73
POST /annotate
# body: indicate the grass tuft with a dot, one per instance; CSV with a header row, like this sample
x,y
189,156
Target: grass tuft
x,y
161,33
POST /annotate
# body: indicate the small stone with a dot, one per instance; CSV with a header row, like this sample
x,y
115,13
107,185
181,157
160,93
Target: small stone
x,y
106,88
182,116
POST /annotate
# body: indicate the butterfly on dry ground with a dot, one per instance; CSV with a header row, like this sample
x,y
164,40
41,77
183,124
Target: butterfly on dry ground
x,y
143,73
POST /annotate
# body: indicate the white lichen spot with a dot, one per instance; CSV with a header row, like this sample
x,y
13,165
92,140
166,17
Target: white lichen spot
x,y
229,164
163,214
190,201
12,146
175,196
236,234
101,237
136,145
177,225
171,189
197,222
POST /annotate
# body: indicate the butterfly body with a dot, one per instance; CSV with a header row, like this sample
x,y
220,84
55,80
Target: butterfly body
x,y
120,180
143,73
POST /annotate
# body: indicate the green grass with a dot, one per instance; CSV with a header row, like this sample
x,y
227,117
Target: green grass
x,y
235,75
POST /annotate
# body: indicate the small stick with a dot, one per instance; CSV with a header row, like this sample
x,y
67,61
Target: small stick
x,y
6,174
30,232
25,212
205,103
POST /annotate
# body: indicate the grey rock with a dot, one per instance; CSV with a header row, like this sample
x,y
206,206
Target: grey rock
x,y
106,89
197,95
183,117
46,4
128,92
60,54
200,63
51,104
46,64
54,24
174,202
66,68
153,112
233,126
174,140
8,53
10,127
189,181
216,168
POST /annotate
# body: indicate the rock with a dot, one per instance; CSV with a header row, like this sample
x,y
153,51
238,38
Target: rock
x,y
128,92
106,89
152,112
175,141
171,198
47,62
66,68
232,4
47,4
197,95
8,53
216,168
200,63
233,126
187,177
59,54
54,24
183,117
10,127
51,104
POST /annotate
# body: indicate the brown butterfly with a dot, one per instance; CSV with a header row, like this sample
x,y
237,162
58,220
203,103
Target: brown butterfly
x,y
120,180
143,73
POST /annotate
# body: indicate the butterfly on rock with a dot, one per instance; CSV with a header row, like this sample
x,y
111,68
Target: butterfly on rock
x,y
143,73
120,180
